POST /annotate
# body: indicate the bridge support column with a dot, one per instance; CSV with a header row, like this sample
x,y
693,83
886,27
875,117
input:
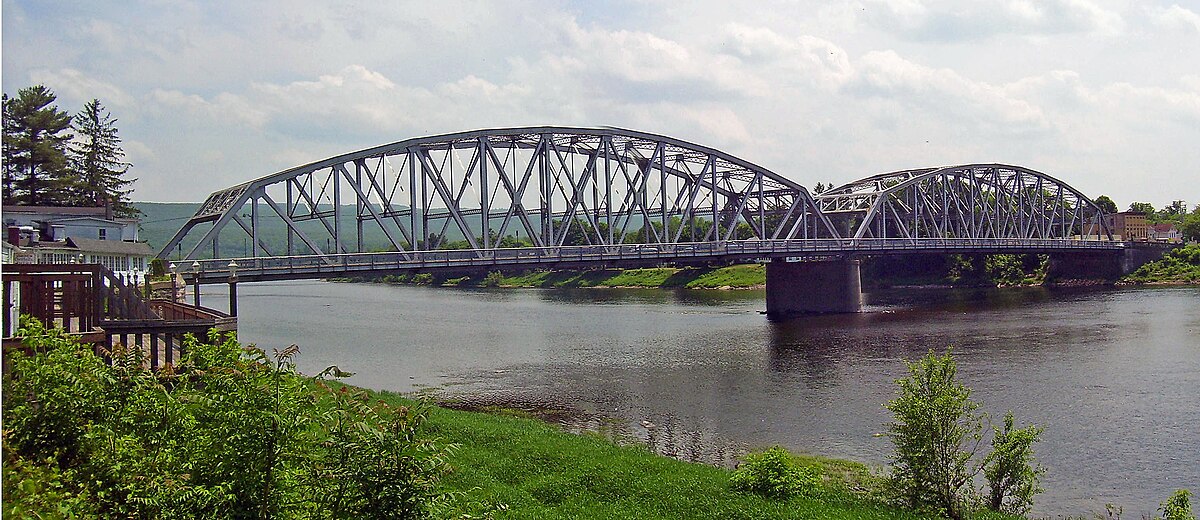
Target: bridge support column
x,y
830,286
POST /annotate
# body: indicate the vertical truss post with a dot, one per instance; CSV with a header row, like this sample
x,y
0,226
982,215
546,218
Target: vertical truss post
x,y
358,208
254,225
484,206
290,208
337,211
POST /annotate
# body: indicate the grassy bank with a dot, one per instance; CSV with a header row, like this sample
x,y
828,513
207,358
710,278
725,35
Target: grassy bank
x,y
235,433
1178,266
538,471
746,276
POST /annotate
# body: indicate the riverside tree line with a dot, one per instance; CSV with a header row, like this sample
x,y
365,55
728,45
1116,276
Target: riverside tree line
x,y
53,158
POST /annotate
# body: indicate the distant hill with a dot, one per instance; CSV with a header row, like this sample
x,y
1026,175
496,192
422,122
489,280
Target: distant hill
x,y
160,221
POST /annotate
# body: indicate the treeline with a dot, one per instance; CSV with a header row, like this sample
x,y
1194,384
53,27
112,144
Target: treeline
x,y
53,158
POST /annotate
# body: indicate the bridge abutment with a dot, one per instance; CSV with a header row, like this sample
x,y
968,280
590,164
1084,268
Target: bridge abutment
x,y
828,286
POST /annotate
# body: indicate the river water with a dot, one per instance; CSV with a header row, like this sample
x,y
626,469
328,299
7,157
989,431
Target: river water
x,y
1113,375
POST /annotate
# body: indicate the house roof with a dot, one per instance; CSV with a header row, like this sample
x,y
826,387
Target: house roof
x,y
55,210
83,219
117,247
1166,227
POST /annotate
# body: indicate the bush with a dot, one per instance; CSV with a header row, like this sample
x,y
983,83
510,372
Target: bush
x,y
1011,472
935,431
1178,507
493,279
230,432
773,474
422,279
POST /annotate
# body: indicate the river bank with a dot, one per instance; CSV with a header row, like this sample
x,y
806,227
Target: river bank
x,y
744,276
89,439
1179,267
540,471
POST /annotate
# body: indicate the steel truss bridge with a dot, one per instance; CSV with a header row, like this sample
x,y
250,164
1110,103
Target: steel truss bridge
x,y
557,196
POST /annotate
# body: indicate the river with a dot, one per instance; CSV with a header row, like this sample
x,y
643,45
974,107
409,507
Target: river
x,y
1112,375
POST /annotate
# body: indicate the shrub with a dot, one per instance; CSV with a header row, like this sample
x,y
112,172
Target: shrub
x,y
773,474
493,279
230,432
1178,507
1011,473
422,279
935,431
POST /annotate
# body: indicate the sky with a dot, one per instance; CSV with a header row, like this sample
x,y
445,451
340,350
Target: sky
x,y
1102,94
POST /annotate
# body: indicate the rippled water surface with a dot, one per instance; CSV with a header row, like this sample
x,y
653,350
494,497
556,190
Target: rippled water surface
x,y
1113,375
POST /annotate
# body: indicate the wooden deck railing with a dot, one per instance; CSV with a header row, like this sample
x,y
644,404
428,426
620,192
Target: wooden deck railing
x,y
100,308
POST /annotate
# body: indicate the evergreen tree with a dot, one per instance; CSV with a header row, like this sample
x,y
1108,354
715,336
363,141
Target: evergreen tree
x,y
35,141
97,161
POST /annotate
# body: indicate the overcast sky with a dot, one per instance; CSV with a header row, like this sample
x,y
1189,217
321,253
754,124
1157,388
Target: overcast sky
x,y
1104,95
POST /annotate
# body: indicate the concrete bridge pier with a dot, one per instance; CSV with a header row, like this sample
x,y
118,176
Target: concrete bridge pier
x,y
818,287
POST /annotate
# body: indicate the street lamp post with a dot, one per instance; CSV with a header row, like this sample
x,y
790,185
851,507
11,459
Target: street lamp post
x,y
196,282
233,288
174,290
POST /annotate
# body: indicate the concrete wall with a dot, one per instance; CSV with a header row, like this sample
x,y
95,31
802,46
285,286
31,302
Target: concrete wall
x,y
795,288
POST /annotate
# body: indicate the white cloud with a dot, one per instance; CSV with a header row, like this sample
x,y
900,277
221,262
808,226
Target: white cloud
x,y
224,108
955,98
215,94
952,20
71,84
1176,18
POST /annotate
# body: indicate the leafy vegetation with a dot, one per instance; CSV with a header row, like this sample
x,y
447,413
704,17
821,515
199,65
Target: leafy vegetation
x,y
746,276
541,472
229,433
235,433
1181,265
1011,472
773,474
937,430
1178,507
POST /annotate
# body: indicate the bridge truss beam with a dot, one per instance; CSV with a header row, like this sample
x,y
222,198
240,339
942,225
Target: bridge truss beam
x,y
503,188
979,201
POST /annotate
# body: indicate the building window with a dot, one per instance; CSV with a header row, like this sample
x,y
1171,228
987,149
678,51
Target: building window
x,y
103,233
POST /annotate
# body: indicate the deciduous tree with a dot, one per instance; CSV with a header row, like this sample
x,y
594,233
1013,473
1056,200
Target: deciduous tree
x,y
936,431
1106,204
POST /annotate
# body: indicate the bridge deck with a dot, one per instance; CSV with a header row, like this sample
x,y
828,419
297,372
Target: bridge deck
x,y
312,266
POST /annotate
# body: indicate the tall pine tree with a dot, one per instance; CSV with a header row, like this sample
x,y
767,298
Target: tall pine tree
x,y
35,142
98,162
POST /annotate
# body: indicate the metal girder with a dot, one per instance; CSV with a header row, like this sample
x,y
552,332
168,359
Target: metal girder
x,y
983,201
560,186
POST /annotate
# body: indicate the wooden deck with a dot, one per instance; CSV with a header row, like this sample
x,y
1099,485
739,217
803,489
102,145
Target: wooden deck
x,y
91,303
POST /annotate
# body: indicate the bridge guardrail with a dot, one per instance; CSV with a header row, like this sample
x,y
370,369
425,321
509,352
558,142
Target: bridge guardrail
x,y
215,271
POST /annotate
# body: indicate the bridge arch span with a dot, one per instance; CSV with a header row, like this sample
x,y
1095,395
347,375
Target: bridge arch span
x,y
544,186
971,201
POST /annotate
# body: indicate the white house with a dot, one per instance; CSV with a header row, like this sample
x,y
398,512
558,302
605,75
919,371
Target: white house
x,y
63,235
1166,232
55,223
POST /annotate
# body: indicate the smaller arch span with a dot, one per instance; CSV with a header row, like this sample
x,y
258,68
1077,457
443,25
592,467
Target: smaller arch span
x,y
971,201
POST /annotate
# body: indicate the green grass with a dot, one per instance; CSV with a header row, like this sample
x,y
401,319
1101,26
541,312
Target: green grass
x,y
733,277
541,472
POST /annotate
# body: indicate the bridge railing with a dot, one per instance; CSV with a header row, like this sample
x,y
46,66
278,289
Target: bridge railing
x,y
89,302
216,271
